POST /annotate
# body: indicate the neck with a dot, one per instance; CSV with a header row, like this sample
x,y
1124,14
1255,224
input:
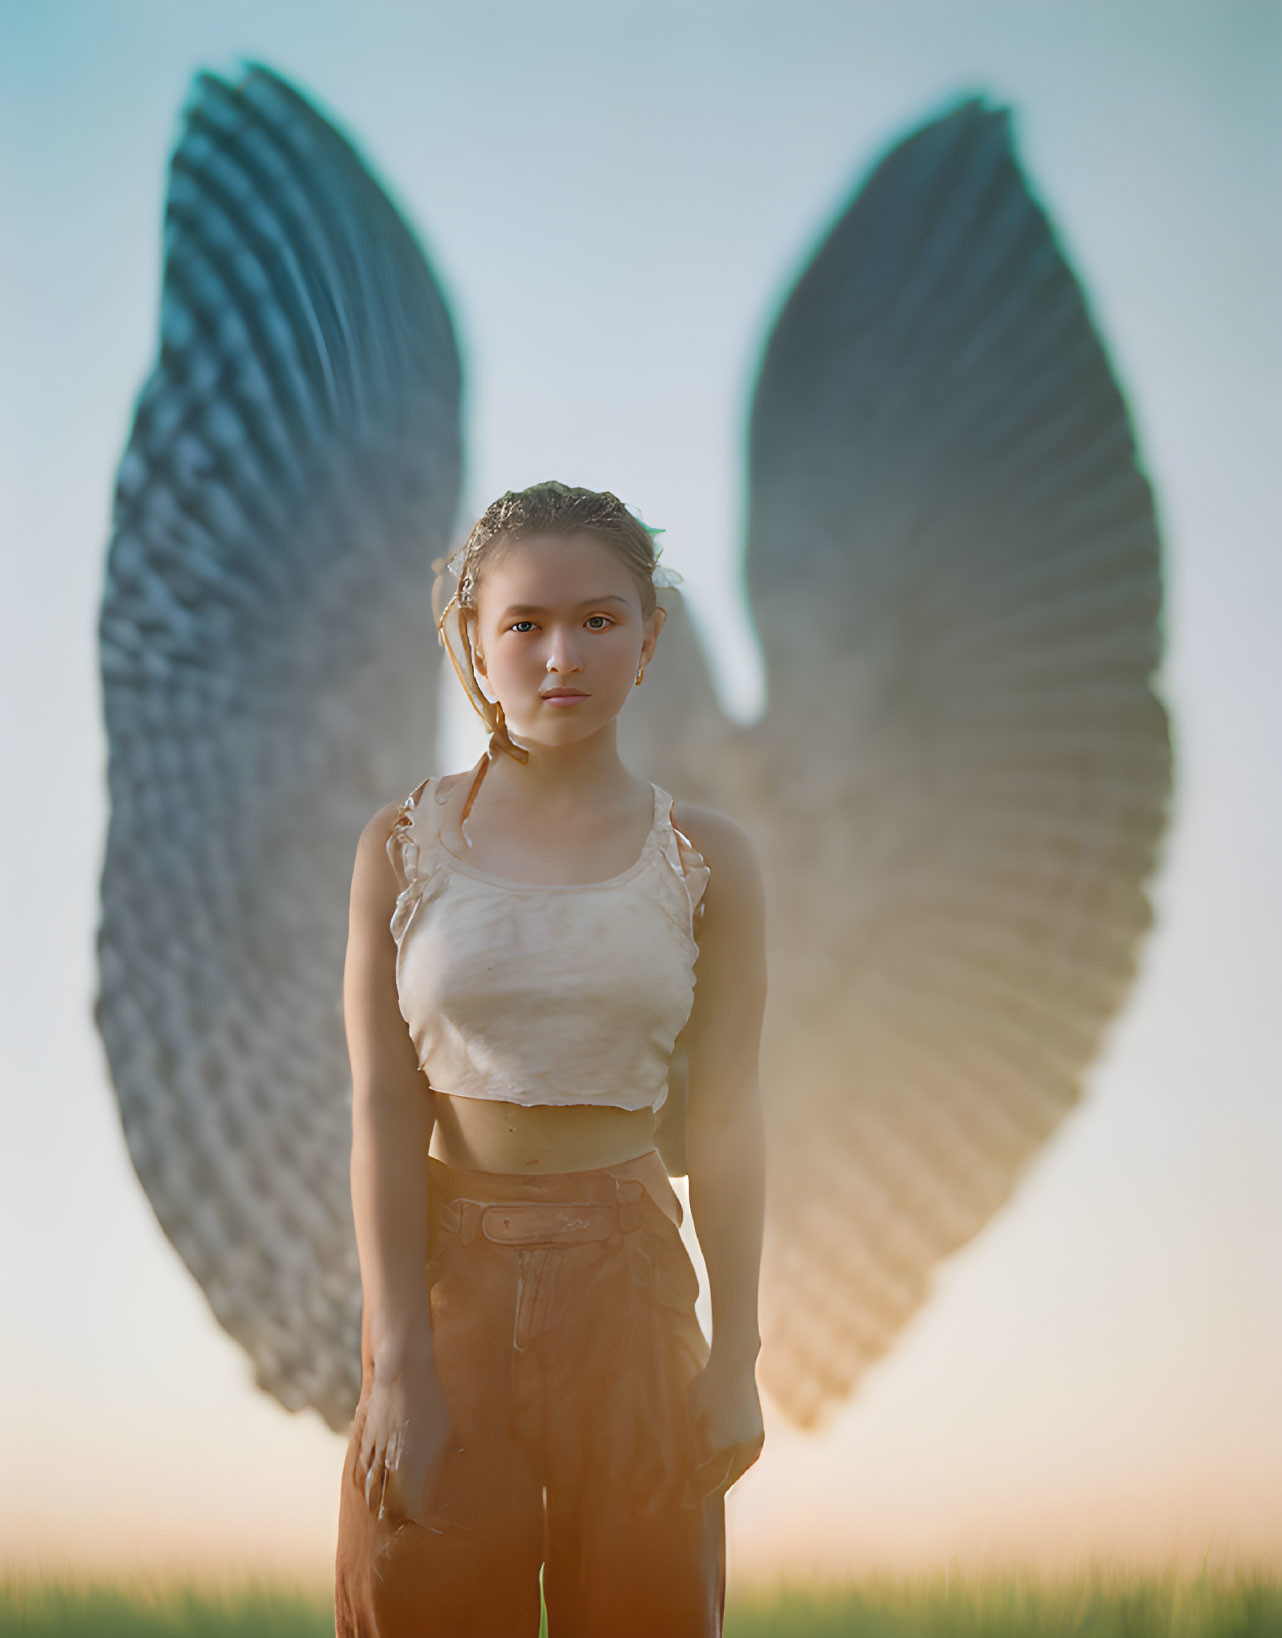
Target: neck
x,y
584,767
565,776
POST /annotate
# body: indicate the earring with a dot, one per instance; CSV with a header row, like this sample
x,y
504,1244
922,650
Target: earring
x,y
640,674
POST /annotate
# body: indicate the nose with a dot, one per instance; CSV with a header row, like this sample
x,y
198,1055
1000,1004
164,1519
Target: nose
x,y
563,651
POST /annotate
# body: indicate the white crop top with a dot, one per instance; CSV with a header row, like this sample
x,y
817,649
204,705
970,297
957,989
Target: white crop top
x,y
571,994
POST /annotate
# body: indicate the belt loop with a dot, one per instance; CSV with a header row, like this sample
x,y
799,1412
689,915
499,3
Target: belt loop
x,y
628,1192
474,1210
467,1215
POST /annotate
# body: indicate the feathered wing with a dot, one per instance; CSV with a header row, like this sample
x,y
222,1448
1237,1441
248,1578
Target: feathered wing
x,y
954,566
269,673
959,785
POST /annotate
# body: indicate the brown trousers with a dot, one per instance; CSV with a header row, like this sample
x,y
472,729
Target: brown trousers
x,y
565,1338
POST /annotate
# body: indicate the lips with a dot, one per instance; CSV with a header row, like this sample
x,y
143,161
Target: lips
x,y
564,694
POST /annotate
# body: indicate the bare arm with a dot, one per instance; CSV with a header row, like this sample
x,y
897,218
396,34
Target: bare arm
x,y
392,1119
725,1138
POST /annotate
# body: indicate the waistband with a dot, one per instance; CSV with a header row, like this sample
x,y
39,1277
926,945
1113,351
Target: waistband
x,y
598,1183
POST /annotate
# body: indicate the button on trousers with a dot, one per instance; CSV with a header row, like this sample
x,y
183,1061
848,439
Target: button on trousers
x,y
565,1338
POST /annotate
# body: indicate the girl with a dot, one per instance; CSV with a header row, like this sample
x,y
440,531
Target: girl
x,y
536,1390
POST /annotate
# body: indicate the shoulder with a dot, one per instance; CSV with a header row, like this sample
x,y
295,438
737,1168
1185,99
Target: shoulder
x,y
374,877
734,865
379,827
717,836
375,873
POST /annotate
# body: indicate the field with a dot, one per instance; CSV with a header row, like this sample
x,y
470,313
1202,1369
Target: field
x,y
1096,1603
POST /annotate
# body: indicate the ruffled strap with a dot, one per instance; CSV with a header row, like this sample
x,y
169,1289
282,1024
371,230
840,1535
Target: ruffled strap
x,y
404,852
694,869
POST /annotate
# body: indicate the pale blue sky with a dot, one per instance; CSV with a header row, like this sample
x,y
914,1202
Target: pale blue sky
x,y
614,198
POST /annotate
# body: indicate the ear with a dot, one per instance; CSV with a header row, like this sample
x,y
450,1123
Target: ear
x,y
649,642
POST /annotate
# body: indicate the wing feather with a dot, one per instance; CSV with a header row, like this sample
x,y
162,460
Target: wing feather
x,y
954,565
269,663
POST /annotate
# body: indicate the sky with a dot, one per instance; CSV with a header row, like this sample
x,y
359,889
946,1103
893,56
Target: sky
x,y
622,193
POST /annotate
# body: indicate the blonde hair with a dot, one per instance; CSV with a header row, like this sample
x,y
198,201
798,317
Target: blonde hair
x,y
547,508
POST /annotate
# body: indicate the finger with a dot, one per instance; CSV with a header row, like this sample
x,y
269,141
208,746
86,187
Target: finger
x,y
726,1466
746,1454
380,1488
369,1452
739,1465
713,1473
375,1468
700,1489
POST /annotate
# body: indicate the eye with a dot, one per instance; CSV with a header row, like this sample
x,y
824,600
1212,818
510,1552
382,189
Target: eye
x,y
517,623
605,617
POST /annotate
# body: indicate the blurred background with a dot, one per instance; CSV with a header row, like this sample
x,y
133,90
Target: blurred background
x,y
620,195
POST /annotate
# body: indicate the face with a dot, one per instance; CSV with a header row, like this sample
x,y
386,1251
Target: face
x,y
559,612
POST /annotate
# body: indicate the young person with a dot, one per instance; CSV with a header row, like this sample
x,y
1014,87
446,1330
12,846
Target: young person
x,y
536,1392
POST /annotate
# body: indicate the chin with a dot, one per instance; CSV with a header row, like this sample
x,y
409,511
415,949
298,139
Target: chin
x,y
557,724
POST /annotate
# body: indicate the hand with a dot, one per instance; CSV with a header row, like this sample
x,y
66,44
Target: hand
x,y
405,1441
725,1411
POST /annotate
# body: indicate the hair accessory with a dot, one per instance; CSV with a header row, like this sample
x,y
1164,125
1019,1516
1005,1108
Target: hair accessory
x,y
662,575
636,513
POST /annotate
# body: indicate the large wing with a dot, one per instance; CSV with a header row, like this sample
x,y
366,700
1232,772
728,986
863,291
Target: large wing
x,y
954,567
269,672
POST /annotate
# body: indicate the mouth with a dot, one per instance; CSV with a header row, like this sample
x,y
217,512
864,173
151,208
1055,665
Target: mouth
x,y
564,694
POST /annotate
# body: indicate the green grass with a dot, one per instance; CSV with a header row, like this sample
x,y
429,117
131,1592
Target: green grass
x,y
90,1606
1095,1602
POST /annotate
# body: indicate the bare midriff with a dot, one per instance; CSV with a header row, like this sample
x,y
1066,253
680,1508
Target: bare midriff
x,y
494,1135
